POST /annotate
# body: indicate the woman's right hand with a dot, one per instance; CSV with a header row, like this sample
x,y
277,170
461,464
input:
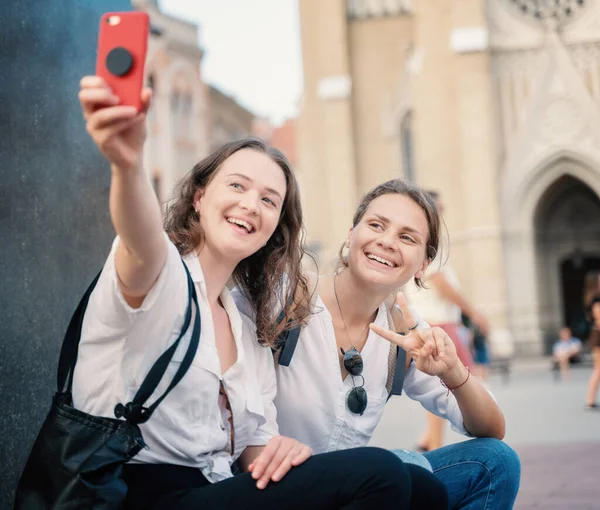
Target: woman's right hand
x,y
118,131
431,349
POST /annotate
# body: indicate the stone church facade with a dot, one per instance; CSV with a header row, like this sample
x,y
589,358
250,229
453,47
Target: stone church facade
x,y
493,103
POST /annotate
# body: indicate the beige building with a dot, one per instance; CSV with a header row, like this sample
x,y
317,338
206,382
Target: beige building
x,y
228,120
282,136
178,128
188,118
494,103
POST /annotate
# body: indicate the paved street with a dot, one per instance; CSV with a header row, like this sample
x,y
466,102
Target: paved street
x,y
557,440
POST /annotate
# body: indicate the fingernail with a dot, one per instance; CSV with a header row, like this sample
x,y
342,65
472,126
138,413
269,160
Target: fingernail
x,y
261,485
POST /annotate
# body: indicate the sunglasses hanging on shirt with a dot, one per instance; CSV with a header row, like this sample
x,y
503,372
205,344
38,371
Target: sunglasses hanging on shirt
x,y
357,399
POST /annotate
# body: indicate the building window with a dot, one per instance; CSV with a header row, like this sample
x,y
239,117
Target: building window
x,y
185,117
406,138
151,83
175,103
156,185
182,110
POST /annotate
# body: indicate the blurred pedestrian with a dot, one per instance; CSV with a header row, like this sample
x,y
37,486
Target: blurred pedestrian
x,y
478,347
591,301
565,350
441,304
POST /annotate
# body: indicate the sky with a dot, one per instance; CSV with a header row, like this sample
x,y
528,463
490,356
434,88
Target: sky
x,y
252,50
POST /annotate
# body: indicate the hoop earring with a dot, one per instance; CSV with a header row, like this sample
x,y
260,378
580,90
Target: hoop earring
x,y
344,256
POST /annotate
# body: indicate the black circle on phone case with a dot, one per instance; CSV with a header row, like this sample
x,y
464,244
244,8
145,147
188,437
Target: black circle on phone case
x,y
119,61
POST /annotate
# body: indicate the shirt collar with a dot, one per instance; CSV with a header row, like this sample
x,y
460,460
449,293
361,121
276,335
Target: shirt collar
x,y
193,264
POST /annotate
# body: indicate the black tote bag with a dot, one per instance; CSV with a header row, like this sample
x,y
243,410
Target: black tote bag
x,y
77,459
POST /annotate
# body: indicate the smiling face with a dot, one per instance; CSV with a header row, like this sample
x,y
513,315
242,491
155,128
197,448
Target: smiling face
x,y
388,245
240,207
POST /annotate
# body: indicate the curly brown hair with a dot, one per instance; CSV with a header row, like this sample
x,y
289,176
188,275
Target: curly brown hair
x,y
259,277
425,200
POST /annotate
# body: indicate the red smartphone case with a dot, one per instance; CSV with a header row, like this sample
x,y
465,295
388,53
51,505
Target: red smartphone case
x,y
122,47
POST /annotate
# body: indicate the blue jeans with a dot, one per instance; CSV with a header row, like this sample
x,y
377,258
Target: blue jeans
x,y
479,474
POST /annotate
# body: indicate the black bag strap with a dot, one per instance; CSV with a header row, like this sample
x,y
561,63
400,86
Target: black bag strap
x,y
400,372
134,412
70,345
287,341
397,362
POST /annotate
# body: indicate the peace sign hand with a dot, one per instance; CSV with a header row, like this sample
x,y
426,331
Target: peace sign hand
x,y
432,349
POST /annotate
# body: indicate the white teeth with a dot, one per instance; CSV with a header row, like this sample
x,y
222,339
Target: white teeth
x,y
241,223
379,259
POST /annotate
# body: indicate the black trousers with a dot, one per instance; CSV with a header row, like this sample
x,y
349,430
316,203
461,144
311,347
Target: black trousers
x,y
360,478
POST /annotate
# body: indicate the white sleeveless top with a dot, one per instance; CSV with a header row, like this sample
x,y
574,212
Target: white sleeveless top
x,y
431,305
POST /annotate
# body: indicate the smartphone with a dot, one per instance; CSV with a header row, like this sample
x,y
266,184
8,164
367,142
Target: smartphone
x,y
121,57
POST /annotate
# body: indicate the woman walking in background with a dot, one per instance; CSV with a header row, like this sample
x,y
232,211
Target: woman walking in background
x,y
440,304
591,301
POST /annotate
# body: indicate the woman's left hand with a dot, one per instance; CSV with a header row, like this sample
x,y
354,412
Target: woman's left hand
x,y
432,349
277,458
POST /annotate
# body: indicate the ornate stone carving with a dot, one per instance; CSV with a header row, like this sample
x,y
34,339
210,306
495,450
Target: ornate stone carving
x,y
584,28
511,31
552,13
361,9
563,121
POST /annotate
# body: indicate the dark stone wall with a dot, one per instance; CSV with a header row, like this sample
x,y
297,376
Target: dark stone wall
x,y
55,230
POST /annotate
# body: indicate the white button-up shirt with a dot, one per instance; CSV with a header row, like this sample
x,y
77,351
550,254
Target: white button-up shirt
x,y
119,345
311,395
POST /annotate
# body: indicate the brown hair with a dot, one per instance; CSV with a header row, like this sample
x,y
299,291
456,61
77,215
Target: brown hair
x,y
259,276
420,197
591,287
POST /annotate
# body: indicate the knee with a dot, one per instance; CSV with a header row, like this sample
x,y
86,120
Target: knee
x,y
413,458
427,490
379,460
503,462
386,469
